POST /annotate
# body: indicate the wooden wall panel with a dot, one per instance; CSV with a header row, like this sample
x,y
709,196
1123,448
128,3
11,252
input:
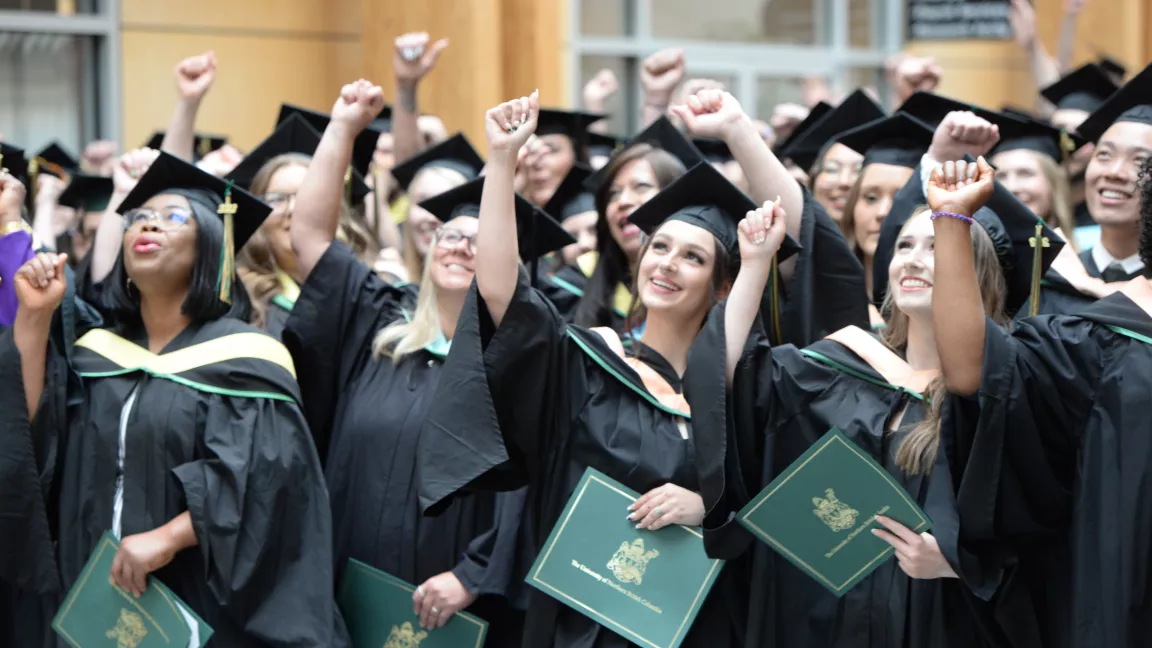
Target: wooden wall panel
x,y
301,16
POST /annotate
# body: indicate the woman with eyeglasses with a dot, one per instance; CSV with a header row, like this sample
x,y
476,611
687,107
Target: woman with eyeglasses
x,y
370,355
163,418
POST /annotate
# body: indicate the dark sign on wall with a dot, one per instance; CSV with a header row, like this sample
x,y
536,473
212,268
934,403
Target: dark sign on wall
x,y
958,20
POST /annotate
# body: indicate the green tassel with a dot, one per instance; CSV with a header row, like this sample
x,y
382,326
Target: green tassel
x,y
1038,243
228,250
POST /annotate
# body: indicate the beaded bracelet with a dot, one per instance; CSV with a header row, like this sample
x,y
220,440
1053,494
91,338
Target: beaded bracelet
x,y
966,219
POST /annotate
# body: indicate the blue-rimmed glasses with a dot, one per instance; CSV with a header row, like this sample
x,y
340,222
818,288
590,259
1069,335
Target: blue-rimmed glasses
x,y
166,219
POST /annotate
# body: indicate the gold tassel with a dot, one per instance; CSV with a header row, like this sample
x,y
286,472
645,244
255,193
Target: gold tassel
x,y
33,175
228,250
1038,243
205,147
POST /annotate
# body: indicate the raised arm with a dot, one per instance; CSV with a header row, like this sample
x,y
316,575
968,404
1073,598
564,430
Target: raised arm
x,y
596,93
317,213
47,198
413,59
110,233
194,76
40,287
508,126
659,75
1072,9
761,233
717,114
958,314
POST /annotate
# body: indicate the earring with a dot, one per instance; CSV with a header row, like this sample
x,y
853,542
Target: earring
x,y
130,286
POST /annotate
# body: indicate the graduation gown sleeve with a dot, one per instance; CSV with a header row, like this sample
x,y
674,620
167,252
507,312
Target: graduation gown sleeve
x,y
15,251
341,307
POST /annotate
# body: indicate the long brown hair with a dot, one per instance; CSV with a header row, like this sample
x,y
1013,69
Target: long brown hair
x,y
256,264
917,452
1061,214
612,267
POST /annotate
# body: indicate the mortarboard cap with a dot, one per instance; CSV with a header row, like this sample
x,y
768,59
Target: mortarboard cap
x,y
714,150
1111,66
602,144
454,153
571,197
59,161
705,198
87,192
857,109
1033,135
201,146
931,108
14,161
363,148
899,140
660,134
1082,89
1018,113
537,233
814,115
293,135
572,123
1131,103
241,212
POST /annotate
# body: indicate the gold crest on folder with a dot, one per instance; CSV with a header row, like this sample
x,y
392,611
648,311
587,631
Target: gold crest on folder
x,y
836,514
129,630
405,636
630,561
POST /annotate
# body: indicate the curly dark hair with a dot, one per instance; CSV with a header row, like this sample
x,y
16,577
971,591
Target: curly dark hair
x,y
1144,183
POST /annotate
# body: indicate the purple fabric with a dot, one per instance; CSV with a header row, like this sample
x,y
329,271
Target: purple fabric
x,y
15,250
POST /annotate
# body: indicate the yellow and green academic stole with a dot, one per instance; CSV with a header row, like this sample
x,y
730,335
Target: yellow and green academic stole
x,y
245,365
621,299
289,291
897,374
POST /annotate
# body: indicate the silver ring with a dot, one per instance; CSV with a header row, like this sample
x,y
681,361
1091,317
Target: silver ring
x,y
411,53
420,591
657,511
435,610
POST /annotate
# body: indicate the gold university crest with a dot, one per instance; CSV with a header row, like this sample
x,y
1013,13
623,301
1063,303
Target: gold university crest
x,y
405,636
836,514
630,561
129,630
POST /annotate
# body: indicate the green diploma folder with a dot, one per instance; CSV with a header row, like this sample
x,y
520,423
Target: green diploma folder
x,y
377,609
99,614
820,511
647,586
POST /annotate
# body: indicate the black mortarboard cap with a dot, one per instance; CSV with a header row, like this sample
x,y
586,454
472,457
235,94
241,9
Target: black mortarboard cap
x,y
602,144
55,155
14,161
1131,103
363,148
1082,89
932,108
201,146
899,140
857,109
572,123
293,135
1112,66
705,198
454,153
537,233
87,192
815,114
1033,135
1008,222
241,212
1018,113
714,150
661,134
571,197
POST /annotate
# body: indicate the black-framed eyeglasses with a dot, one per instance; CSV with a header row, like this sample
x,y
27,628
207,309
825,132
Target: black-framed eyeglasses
x,y
449,238
166,219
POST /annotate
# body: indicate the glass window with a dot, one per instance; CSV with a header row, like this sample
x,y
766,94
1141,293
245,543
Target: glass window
x,y
603,18
772,91
780,22
62,7
44,98
617,105
864,21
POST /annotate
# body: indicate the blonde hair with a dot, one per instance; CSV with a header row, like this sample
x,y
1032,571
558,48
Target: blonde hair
x,y
410,334
1060,215
916,454
413,260
256,264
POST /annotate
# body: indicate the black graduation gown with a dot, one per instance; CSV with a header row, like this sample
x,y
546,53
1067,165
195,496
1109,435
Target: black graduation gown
x,y
782,400
367,413
563,288
1057,297
226,442
276,315
1058,462
1093,271
535,401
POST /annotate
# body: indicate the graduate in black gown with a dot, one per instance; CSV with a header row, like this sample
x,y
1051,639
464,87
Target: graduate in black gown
x,y
885,394
274,171
174,424
527,398
370,355
1058,459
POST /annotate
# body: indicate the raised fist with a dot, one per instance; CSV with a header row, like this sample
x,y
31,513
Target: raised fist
x,y
961,187
131,167
358,105
40,283
510,124
194,75
662,72
414,58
